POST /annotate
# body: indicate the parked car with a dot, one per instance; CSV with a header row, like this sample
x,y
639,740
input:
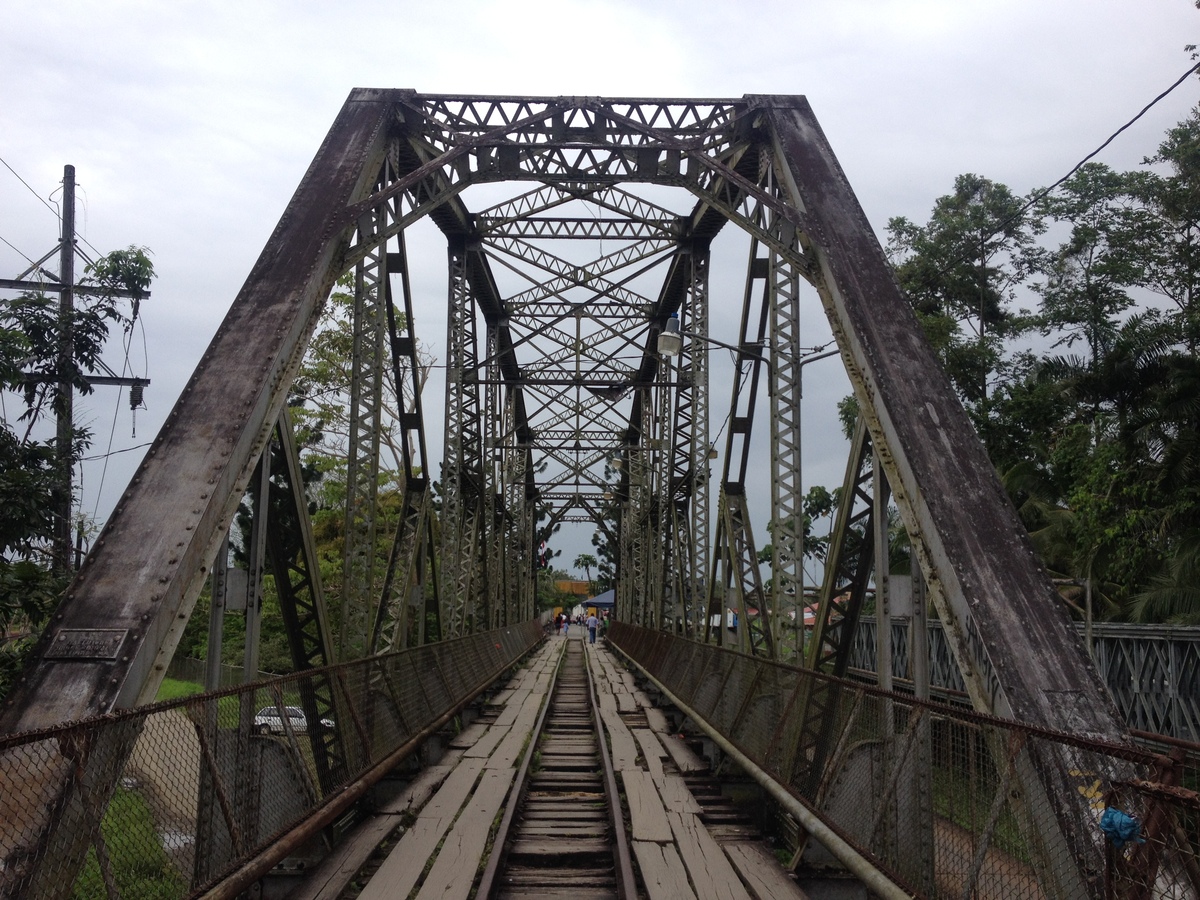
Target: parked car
x,y
270,721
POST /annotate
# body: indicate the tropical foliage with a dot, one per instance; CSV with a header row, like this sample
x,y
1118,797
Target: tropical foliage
x,y
1089,400
31,482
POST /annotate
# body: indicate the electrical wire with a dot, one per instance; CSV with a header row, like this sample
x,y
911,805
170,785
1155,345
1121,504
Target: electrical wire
x,y
1079,165
1042,194
46,204
125,368
26,258
115,452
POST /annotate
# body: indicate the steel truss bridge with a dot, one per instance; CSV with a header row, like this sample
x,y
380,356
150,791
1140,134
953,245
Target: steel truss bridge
x,y
558,408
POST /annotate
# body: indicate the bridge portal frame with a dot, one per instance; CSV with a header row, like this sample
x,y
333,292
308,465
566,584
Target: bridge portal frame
x,y
759,161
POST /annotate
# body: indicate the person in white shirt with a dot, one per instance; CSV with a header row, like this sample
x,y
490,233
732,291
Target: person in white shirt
x,y
592,623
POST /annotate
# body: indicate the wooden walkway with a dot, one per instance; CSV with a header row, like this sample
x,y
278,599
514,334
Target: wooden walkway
x,y
436,833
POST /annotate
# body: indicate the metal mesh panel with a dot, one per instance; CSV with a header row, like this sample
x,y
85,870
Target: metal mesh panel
x,y
161,801
948,802
1152,671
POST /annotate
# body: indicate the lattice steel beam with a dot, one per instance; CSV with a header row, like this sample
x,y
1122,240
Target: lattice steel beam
x,y
368,328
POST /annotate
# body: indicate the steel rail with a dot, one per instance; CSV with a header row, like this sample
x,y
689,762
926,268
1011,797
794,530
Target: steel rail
x,y
626,881
517,793
626,884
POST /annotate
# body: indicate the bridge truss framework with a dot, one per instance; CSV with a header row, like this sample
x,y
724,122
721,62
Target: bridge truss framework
x,y
558,408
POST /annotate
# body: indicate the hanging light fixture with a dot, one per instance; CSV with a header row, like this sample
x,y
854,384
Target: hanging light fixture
x,y
670,341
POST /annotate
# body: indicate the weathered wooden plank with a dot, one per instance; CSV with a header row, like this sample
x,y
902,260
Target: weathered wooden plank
x,y
403,866
457,862
657,720
621,743
682,755
512,707
510,748
652,752
468,735
483,747
502,697
329,879
663,873
710,871
557,893
417,794
677,797
761,873
648,819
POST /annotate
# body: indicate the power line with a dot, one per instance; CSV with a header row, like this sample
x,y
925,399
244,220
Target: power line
x,y
46,203
1079,165
1042,194
31,190
26,258
115,452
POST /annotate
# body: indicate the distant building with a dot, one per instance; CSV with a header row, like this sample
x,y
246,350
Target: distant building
x,y
574,588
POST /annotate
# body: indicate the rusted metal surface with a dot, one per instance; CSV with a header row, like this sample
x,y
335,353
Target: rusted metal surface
x,y
150,562
157,760
978,560
988,832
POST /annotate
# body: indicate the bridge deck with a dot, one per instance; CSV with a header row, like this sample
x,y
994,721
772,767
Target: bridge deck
x,y
682,847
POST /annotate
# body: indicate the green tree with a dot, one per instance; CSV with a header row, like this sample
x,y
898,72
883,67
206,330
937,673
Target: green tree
x,y
961,271
1089,277
1170,254
31,481
587,562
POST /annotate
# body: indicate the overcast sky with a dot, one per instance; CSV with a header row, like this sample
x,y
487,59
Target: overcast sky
x,y
191,123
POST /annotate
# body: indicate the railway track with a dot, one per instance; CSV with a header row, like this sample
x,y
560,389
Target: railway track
x,y
564,837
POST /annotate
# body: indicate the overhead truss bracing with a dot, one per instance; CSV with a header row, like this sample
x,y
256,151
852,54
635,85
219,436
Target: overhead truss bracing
x,y
595,224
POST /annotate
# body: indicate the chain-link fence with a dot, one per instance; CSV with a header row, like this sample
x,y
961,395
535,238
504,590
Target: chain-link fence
x,y
947,802
164,800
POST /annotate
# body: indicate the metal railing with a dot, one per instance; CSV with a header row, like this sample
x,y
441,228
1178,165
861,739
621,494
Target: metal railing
x,y
165,800
1152,671
947,802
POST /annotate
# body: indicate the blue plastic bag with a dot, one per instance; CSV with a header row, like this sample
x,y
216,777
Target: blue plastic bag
x,y
1120,827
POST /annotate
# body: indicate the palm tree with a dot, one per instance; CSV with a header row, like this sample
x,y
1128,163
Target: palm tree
x,y
585,561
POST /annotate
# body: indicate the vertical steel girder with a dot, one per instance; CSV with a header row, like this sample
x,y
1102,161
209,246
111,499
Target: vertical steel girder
x,y
516,541
463,508
294,562
685,501
735,558
787,517
369,321
409,608
848,564
492,470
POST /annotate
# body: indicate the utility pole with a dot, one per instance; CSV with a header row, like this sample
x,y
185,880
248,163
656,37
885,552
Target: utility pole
x,y
65,405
